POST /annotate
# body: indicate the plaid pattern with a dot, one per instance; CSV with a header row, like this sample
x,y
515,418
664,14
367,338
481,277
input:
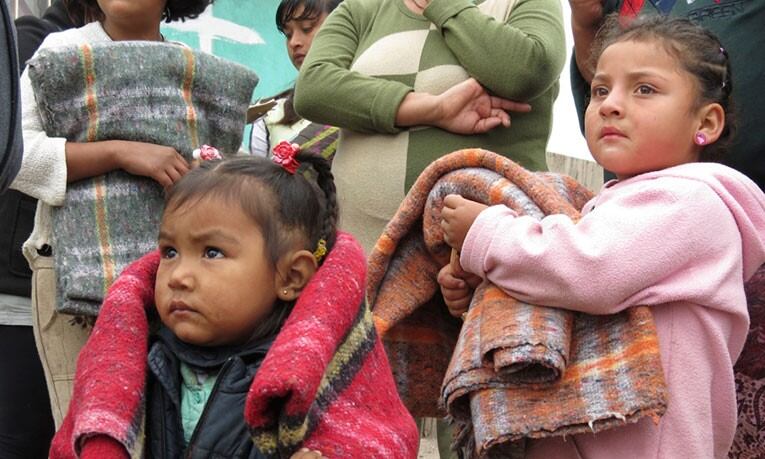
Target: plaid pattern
x,y
566,372
166,95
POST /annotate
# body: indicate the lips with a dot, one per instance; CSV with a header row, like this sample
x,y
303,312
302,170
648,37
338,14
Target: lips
x,y
180,306
611,132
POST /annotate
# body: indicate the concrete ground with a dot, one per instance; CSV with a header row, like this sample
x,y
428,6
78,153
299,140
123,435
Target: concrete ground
x,y
428,444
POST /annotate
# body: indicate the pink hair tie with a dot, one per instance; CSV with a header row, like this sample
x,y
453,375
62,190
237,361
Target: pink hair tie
x,y
206,153
284,155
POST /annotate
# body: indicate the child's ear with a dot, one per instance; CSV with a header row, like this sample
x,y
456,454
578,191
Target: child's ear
x,y
711,121
293,271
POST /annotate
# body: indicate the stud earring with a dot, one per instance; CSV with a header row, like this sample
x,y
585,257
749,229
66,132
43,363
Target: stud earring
x,y
284,292
700,138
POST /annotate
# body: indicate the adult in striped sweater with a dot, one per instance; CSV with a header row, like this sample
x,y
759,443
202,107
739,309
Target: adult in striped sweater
x,y
409,81
49,163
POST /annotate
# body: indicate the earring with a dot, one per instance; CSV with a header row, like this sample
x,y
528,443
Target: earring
x,y
700,138
284,292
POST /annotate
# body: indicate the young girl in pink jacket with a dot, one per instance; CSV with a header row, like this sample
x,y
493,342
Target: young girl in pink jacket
x,y
674,231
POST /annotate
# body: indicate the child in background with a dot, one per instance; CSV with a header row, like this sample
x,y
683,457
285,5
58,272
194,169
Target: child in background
x,y
672,231
49,164
238,243
299,21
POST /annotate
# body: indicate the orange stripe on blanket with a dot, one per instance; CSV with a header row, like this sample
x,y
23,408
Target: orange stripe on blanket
x,y
385,245
645,346
90,92
102,228
188,81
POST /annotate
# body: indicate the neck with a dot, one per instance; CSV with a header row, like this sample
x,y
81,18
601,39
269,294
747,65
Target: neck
x,y
122,32
415,6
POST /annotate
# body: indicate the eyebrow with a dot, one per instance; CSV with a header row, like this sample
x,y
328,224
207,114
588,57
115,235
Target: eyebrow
x,y
203,236
633,75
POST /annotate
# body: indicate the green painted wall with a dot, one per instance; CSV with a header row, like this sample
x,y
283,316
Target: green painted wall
x,y
243,31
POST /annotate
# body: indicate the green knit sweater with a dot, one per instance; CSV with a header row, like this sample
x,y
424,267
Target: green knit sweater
x,y
370,53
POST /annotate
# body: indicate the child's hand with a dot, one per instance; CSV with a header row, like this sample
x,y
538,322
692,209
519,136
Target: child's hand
x,y
161,163
457,215
305,453
457,287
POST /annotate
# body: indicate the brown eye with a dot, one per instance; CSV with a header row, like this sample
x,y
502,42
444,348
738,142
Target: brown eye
x,y
599,91
213,252
644,89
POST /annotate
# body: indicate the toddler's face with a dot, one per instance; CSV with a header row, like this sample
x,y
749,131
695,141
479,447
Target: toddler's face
x,y
215,282
641,115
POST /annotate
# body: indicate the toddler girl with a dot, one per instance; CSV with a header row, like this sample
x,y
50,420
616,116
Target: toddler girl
x,y
238,243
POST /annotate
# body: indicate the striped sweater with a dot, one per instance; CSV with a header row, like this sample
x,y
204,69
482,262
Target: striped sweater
x,y
370,53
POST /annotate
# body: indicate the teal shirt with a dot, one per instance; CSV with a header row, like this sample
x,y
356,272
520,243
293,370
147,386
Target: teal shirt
x,y
196,387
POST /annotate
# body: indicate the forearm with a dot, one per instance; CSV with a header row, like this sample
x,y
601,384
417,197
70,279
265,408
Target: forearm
x,y
517,60
584,37
329,91
417,109
85,160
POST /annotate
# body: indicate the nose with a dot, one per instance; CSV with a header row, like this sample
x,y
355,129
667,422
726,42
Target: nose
x,y
295,41
612,105
181,275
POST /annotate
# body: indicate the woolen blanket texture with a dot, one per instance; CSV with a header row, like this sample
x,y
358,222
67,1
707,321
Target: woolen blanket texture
x,y
325,383
160,93
516,370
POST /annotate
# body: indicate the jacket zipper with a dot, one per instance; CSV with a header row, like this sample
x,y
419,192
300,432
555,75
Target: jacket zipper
x,y
213,393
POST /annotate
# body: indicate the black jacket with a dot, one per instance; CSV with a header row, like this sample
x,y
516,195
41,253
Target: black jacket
x,y
221,431
10,114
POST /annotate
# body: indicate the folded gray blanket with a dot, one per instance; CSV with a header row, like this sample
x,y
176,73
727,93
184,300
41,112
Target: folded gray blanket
x,y
161,93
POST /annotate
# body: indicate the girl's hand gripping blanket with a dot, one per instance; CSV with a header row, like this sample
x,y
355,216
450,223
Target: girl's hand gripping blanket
x,y
516,370
325,383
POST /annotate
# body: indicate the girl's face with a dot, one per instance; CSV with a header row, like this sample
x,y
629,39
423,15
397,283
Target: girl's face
x,y
642,114
215,282
300,35
135,13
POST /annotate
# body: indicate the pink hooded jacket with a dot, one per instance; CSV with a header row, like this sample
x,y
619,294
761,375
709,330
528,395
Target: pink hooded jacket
x,y
683,240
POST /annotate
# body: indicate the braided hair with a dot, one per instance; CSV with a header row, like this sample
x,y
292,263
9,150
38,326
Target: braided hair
x,y
290,209
697,50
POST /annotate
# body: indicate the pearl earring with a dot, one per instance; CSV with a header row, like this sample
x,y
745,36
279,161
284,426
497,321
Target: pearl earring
x,y
700,138
284,292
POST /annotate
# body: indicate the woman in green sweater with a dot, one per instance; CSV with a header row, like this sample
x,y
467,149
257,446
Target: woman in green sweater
x,y
411,80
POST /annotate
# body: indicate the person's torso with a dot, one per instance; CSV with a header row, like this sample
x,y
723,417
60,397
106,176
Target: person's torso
x,y
396,44
221,430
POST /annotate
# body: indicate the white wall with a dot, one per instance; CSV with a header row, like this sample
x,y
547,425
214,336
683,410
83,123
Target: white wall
x,y
566,138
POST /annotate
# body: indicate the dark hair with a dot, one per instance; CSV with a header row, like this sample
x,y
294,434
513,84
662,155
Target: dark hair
x,y
174,9
698,51
289,208
285,12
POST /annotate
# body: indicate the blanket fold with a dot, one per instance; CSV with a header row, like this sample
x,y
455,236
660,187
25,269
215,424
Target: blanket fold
x,y
324,384
160,93
516,370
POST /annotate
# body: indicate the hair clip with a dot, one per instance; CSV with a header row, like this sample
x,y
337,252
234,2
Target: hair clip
x,y
321,250
206,153
284,155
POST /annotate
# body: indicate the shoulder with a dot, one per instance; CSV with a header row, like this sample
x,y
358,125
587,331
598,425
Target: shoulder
x,y
89,33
